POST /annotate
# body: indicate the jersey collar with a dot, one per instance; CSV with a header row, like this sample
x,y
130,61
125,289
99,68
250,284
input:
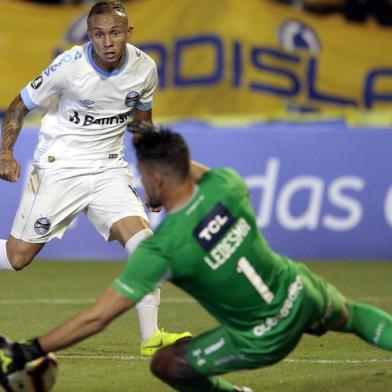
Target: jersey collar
x,y
100,70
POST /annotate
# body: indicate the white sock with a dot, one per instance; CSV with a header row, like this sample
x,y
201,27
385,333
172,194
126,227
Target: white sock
x,y
147,308
4,262
147,311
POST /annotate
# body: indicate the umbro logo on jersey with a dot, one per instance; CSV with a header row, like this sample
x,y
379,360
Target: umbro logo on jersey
x,y
36,83
213,227
131,98
87,103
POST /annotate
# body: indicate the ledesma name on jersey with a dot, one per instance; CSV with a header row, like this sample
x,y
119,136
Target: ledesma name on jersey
x,y
220,234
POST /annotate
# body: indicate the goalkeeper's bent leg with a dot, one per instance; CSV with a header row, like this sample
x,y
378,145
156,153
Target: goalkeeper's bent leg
x,y
171,365
370,323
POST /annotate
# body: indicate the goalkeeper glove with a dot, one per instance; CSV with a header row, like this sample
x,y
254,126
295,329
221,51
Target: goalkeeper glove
x,y
14,355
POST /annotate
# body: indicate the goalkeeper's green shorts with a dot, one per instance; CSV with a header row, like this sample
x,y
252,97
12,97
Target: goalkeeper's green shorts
x,y
223,350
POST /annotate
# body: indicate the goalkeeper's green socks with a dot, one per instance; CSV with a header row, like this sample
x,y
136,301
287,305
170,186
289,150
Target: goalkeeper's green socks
x,y
371,324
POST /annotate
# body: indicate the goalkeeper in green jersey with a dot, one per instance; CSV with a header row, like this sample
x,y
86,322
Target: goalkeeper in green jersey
x,y
210,246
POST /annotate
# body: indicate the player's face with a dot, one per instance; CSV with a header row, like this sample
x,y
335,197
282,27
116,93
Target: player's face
x,y
109,34
151,182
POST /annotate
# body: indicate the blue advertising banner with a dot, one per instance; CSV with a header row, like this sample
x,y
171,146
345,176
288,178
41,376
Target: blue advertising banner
x,y
319,190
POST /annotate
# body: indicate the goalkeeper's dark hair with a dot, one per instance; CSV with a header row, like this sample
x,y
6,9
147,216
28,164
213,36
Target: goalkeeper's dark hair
x,y
105,7
164,148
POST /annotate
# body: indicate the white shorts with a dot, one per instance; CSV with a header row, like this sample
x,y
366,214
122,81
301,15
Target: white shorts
x,y
54,197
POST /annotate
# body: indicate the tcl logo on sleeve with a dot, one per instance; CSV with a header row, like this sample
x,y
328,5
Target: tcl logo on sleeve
x,y
211,229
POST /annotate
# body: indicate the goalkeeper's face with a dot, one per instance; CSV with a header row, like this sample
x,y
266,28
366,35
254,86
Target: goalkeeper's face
x,y
152,184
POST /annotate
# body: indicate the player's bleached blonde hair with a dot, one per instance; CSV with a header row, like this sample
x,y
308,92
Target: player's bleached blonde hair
x,y
105,7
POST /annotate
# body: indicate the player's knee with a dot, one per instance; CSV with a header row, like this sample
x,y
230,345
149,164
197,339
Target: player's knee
x,y
342,321
162,363
345,317
19,260
159,365
20,253
171,363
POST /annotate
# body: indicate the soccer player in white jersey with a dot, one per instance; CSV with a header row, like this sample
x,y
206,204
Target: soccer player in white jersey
x,y
89,93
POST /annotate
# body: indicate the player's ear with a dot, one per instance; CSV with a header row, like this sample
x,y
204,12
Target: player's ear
x,y
88,29
89,34
158,179
130,30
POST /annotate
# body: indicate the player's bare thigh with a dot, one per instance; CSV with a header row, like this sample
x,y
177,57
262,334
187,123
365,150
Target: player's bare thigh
x,y
171,362
125,228
21,253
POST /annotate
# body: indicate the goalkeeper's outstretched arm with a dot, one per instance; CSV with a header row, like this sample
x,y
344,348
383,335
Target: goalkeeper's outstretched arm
x,y
110,305
90,321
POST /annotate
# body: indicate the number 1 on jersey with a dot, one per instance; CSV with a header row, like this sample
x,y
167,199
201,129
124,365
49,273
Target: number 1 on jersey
x,y
243,266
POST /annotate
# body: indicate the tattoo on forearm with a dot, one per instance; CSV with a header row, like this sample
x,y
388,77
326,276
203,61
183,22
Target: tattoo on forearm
x,y
13,123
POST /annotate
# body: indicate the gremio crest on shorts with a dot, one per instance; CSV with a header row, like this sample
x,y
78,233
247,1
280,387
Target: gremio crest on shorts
x,y
42,225
131,99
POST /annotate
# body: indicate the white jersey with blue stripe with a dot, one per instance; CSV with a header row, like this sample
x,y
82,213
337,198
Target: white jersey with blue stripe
x,y
87,108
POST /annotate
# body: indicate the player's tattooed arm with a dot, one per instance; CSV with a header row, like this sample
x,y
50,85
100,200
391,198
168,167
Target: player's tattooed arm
x,y
13,122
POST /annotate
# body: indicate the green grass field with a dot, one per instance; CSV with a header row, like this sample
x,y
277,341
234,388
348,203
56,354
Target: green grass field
x,y
34,300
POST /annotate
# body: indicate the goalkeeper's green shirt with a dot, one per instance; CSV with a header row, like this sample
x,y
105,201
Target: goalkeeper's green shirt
x,y
212,249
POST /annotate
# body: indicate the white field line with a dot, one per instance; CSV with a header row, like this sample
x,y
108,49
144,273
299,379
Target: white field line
x,y
135,358
73,301
340,361
131,358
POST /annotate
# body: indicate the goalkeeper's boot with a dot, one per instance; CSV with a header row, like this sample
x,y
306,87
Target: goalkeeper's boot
x,y
161,339
241,389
